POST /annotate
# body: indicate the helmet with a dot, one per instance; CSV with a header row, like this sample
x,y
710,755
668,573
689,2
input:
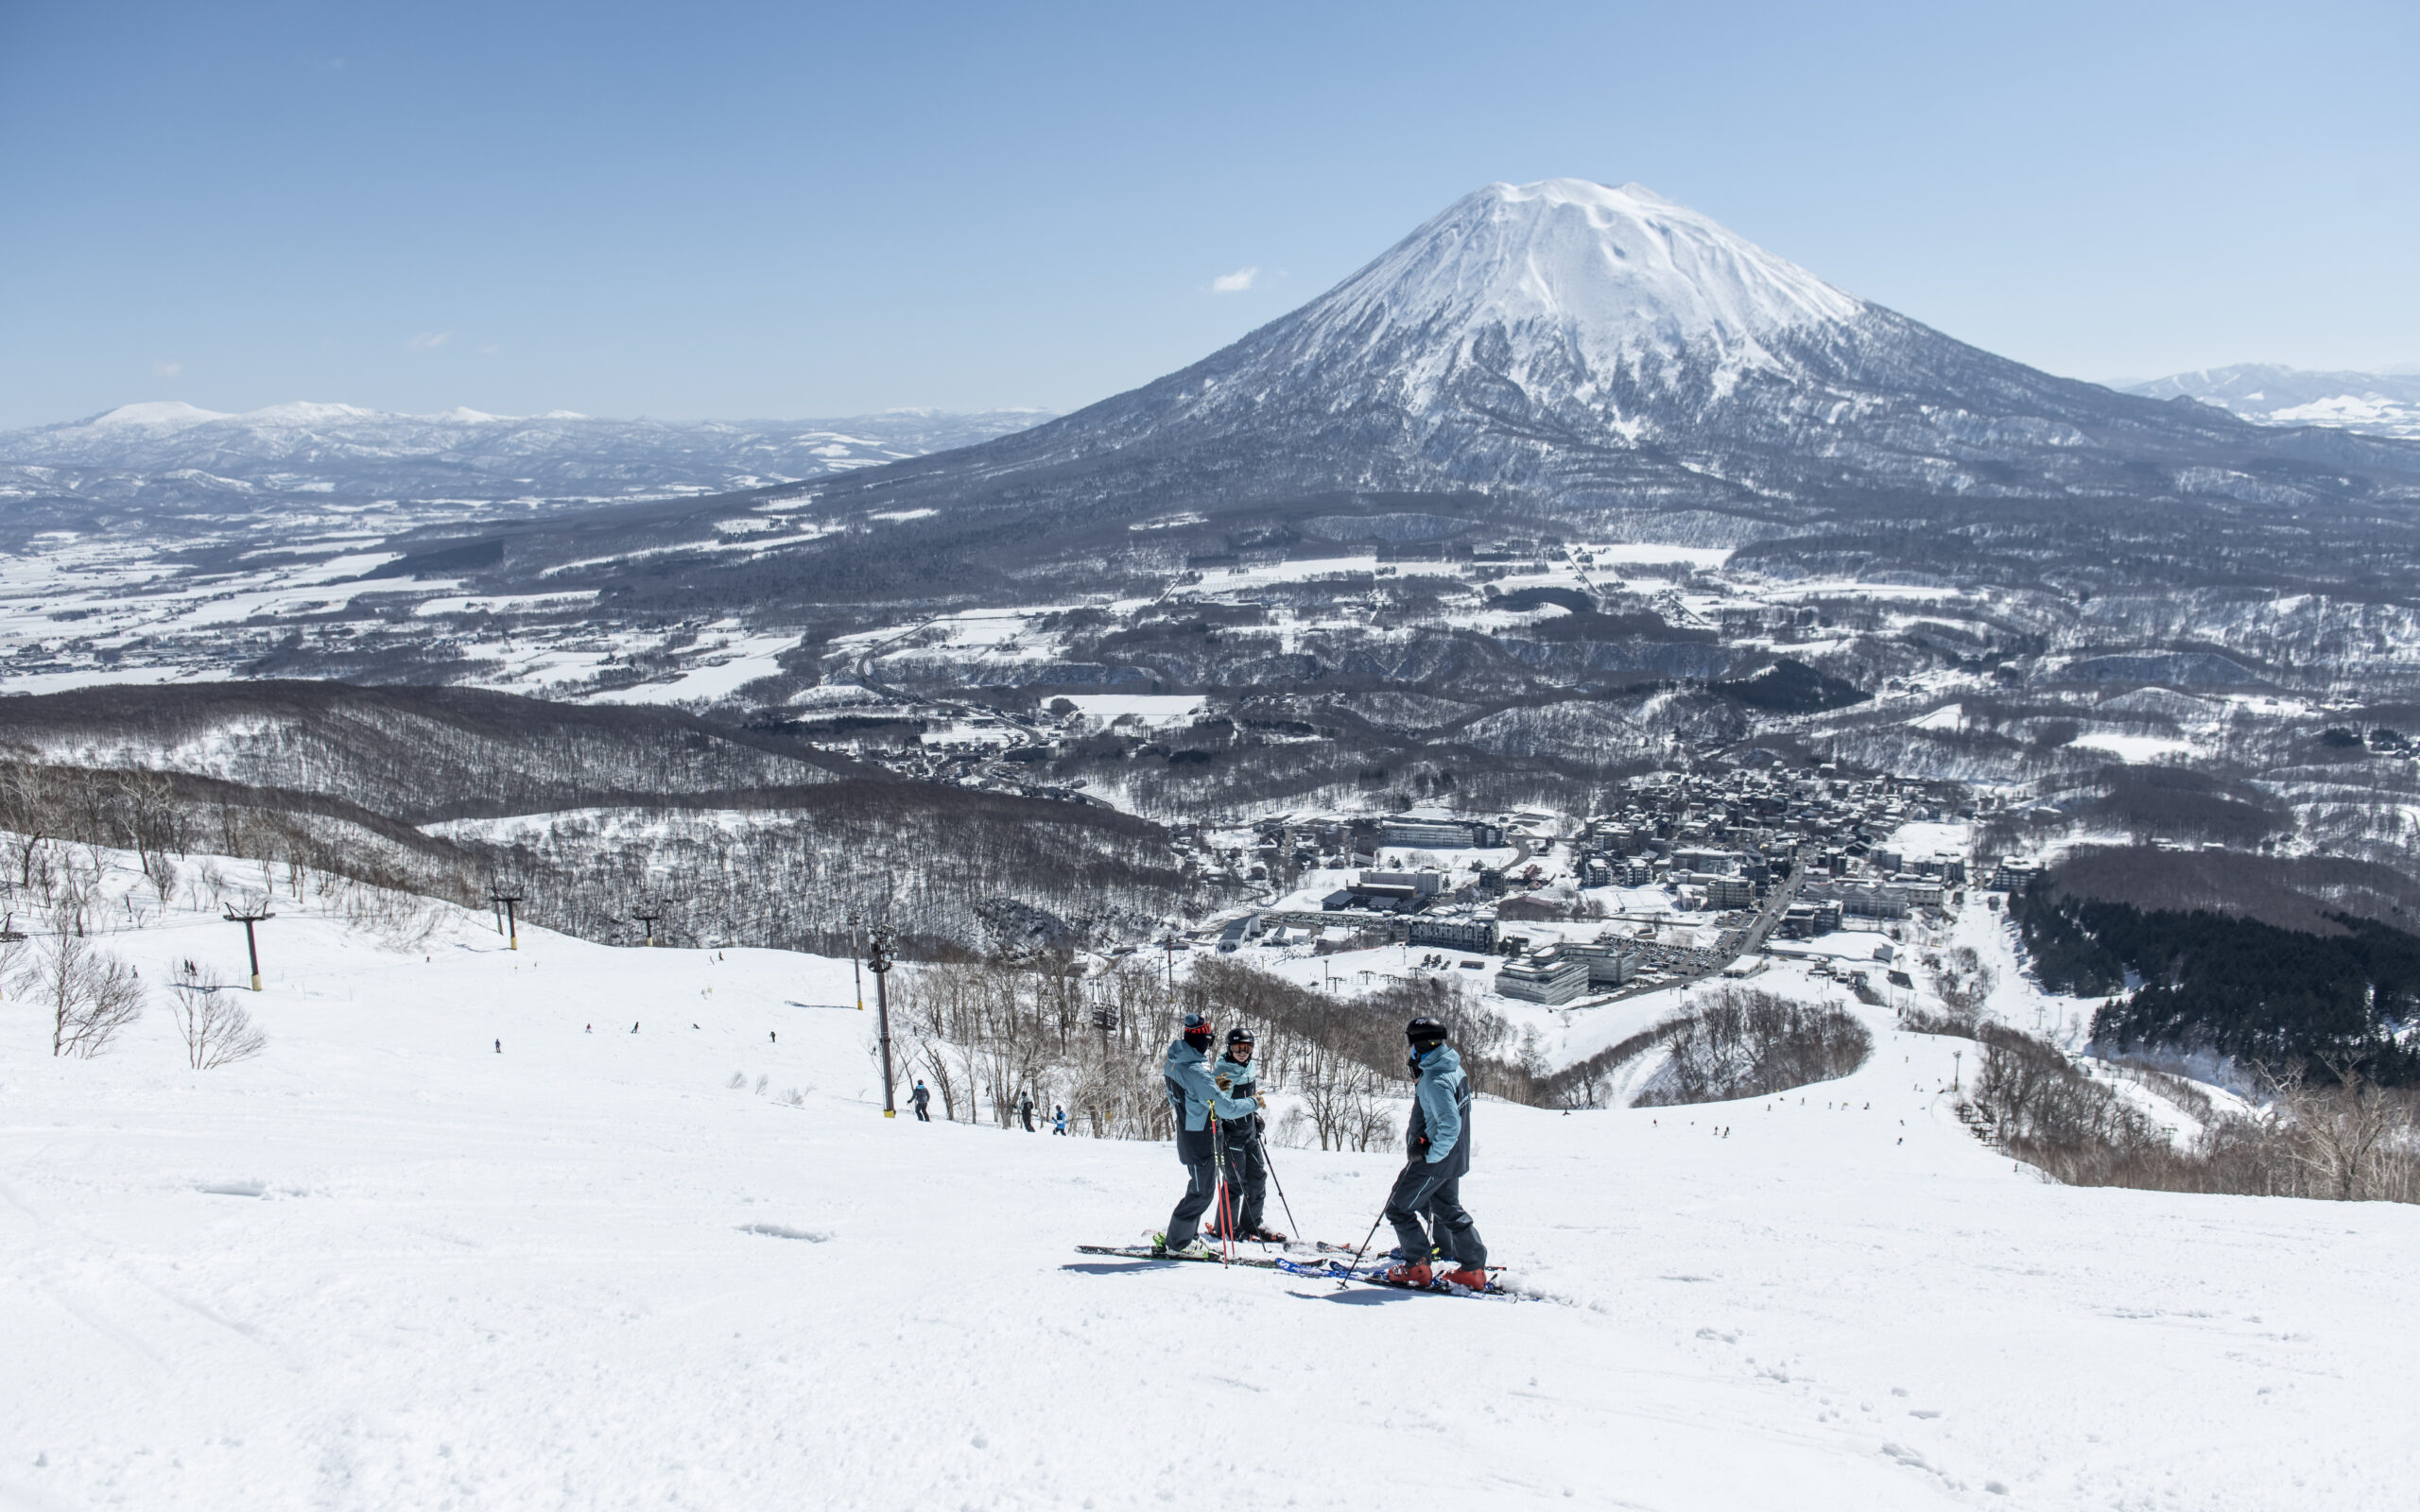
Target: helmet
x,y
1425,1033
1238,1037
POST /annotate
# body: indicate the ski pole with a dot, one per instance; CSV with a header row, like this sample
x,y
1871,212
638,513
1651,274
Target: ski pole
x,y
1219,1176
1365,1243
1296,1223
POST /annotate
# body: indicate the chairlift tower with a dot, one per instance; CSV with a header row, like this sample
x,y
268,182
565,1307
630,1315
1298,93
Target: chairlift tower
x,y
253,914
878,961
648,916
509,900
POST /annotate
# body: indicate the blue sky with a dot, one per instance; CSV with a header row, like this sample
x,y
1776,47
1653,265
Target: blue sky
x,y
784,211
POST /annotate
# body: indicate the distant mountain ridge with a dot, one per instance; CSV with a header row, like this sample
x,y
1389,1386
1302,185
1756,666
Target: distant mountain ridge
x,y
2376,403
176,453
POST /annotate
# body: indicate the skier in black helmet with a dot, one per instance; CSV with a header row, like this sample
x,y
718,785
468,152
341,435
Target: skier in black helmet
x,y
1439,1144
1196,1100
1247,1170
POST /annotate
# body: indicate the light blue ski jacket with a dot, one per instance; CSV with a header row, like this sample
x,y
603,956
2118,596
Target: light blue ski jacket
x,y
1192,1093
1440,1108
1242,1080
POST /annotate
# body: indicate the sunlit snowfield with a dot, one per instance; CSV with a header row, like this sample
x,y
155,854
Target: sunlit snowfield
x,y
385,1266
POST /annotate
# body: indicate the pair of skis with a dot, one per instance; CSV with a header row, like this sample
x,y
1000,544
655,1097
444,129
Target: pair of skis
x,y
1330,1268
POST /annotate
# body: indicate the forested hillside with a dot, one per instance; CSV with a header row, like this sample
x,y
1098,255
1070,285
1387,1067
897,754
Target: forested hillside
x,y
597,815
2286,1000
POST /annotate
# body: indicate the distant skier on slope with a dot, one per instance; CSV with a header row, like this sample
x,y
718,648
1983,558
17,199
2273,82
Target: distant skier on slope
x,y
1194,1098
1025,1111
1438,1139
1058,1119
1239,1137
919,1097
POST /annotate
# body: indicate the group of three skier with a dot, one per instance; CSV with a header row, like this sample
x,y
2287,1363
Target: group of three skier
x,y
1219,1131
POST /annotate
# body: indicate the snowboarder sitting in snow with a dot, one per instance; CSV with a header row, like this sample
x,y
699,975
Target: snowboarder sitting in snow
x,y
1239,1140
919,1097
1438,1143
1195,1099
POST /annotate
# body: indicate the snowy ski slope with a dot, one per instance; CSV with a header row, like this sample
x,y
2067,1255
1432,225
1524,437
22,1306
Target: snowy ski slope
x,y
386,1266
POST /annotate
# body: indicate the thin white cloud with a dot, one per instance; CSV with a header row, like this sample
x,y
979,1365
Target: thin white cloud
x,y
168,370
429,341
1234,283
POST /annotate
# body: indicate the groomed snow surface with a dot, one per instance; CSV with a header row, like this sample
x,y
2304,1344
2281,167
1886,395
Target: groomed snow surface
x,y
386,1266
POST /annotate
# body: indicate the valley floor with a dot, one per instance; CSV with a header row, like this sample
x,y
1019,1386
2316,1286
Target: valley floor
x,y
388,1266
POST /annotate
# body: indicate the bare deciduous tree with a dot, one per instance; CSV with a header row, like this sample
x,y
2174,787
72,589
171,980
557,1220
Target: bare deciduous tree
x,y
26,807
218,1031
90,993
1747,1043
14,945
2343,1136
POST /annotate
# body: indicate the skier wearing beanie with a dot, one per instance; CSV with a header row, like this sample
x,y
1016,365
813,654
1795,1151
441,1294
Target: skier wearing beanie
x,y
1247,1166
1195,1099
1438,1143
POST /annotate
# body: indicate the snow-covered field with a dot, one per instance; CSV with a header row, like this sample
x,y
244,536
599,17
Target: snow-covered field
x,y
387,1267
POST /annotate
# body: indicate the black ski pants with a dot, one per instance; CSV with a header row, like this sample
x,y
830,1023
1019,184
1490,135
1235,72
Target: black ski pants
x,y
1201,1186
1419,1195
921,1116
1247,1180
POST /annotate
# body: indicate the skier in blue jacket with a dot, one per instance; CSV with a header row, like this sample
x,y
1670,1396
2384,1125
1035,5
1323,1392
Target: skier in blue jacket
x,y
1247,1172
1195,1099
1438,1141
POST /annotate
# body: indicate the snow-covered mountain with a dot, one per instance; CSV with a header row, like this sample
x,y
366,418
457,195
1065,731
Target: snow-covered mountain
x,y
1589,347
175,454
2380,403
1572,292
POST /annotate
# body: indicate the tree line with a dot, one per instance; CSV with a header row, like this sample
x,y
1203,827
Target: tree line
x,y
2249,989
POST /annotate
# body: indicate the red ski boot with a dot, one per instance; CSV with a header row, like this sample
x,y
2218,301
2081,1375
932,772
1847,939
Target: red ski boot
x,y
1407,1274
1472,1279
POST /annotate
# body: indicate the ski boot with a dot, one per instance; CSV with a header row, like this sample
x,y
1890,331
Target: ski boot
x,y
1409,1273
1197,1249
1265,1236
1472,1279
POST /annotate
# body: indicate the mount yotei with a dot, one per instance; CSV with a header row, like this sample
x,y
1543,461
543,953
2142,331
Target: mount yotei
x,y
1582,348
1569,475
